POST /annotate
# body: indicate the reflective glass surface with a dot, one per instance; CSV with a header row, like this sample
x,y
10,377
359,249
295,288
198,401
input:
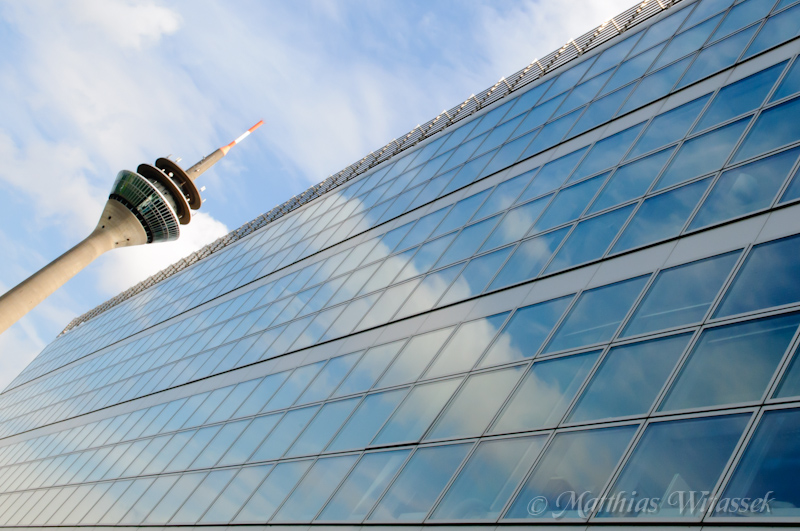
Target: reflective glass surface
x,y
670,462
680,295
596,315
766,278
732,364
629,379
575,462
765,475
484,485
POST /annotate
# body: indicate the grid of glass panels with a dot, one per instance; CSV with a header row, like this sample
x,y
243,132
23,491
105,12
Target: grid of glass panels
x,y
671,367
646,66
692,368
590,192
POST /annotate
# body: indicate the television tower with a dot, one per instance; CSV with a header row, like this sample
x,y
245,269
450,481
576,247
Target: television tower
x,y
146,206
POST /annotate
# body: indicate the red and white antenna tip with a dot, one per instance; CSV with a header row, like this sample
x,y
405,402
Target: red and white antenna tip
x,y
242,136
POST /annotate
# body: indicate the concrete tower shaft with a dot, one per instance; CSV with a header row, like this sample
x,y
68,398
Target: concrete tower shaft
x,y
145,206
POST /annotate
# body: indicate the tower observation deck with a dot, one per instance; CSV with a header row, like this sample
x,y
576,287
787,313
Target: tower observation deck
x,y
145,206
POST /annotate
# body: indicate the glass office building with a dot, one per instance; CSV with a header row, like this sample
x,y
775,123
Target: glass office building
x,y
579,305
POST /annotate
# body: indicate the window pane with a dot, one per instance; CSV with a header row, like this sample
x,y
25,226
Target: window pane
x,y
545,393
777,29
661,31
414,358
490,119
681,295
461,213
596,315
240,393
717,56
740,97
388,304
793,190
668,127
324,426
569,203
528,259
706,9
590,239
193,448
466,346
476,404
583,93
633,68
539,115
656,85
790,383
203,496
284,434
528,99
474,278
768,470
662,216
220,444
422,230
672,460
702,154
361,489
369,368
631,181
687,42
515,224
420,482
601,110
745,189
552,175
272,492
508,154
552,133
503,196
482,488
606,153
732,364
429,291
235,494
250,439
772,129
416,413
767,278
613,55
367,420
526,331
294,386
790,83
329,378
578,461
316,487
149,499
387,271
568,78
629,379
467,242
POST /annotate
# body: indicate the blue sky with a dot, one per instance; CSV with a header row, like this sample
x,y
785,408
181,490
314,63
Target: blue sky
x,y
90,87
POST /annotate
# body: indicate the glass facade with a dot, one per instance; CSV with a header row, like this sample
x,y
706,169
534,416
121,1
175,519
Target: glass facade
x,y
578,305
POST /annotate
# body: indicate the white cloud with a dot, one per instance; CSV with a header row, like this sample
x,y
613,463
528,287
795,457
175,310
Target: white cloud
x,y
123,268
532,30
127,23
